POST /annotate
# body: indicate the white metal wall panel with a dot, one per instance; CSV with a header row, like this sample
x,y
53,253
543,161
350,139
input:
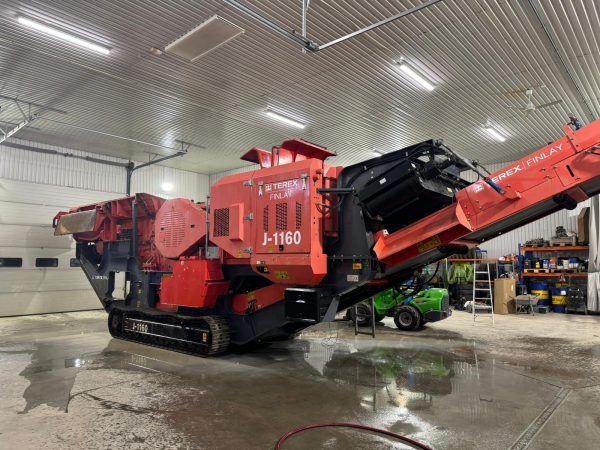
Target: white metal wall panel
x,y
56,170
32,236
25,303
17,164
543,228
185,184
28,204
28,279
203,187
217,176
26,212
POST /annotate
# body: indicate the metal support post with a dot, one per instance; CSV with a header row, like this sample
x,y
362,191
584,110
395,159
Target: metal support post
x,y
131,167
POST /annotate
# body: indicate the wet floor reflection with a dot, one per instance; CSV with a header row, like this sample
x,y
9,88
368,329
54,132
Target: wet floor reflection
x,y
376,378
411,377
437,386
51,376
423,371
423,388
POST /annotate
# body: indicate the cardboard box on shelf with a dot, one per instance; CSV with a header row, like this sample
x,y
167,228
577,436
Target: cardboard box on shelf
x,y
504,296
583,225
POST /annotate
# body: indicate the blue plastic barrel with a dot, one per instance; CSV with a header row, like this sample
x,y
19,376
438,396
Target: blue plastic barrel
x,y
558,308
540,289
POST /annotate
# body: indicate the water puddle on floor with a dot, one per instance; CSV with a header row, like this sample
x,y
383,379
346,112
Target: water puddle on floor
x,y
428,388
51,377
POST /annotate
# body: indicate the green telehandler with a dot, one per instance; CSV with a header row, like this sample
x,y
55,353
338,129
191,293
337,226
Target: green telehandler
x,y
410,312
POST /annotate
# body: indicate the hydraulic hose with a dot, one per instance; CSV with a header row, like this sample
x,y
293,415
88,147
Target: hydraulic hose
x,y
415,289
406,440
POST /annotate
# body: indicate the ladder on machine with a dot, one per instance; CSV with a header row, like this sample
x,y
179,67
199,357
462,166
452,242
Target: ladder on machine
x,y
483,298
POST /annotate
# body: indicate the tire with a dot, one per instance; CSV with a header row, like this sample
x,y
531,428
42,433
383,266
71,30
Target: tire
x,y
364,312
407,318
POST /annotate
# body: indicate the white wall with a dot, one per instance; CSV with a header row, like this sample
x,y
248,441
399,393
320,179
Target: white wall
x,y
26,212
217,176
23,165
33,188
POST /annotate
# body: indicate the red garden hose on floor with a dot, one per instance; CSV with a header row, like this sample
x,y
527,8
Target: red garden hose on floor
x,y
404,439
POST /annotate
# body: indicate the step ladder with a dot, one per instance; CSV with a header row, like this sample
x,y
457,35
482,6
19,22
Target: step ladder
x,y
483,298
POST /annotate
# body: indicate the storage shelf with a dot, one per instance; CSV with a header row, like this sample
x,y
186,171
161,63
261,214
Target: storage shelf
x,y
555,249
555,274
473,260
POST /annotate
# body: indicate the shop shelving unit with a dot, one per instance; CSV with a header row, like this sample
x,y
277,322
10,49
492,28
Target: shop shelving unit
x,y
554,251
524,250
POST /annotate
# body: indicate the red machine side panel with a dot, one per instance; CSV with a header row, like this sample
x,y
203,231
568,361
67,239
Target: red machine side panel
x,y
283,210
272,216
179,227
230,206
195,283
288,230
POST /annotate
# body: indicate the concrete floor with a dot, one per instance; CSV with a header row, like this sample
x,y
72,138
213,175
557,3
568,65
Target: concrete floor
x,y
527,382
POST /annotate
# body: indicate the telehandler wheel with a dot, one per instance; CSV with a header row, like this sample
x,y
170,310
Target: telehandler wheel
x,y
364,314
407,318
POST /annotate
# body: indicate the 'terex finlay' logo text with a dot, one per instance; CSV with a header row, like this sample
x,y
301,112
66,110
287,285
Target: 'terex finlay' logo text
x,y
280,185
280,190
528,163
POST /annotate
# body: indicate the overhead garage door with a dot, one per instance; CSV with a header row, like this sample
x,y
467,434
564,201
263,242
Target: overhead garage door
x,y
26,234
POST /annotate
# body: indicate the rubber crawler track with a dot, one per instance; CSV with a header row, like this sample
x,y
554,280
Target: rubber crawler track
x,y
219,330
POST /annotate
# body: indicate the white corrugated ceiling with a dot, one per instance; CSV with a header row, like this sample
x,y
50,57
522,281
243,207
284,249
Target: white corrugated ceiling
x,y
350,96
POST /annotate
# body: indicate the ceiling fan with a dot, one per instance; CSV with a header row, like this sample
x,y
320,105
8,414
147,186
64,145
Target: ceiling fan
x,y
530,107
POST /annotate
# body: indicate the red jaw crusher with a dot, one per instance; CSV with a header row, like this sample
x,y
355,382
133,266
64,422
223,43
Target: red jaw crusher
x,y
289,244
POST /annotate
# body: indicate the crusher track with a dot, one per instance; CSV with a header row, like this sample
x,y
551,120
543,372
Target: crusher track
x,y
202,335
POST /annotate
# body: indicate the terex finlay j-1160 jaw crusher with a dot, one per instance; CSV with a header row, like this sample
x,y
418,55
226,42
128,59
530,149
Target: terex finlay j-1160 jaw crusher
x,y
291,243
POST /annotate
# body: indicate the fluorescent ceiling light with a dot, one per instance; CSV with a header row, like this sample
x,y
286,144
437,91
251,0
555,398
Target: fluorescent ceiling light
x,y
493,133
62,35
404,67
167,187
377,153
205,38
282,118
